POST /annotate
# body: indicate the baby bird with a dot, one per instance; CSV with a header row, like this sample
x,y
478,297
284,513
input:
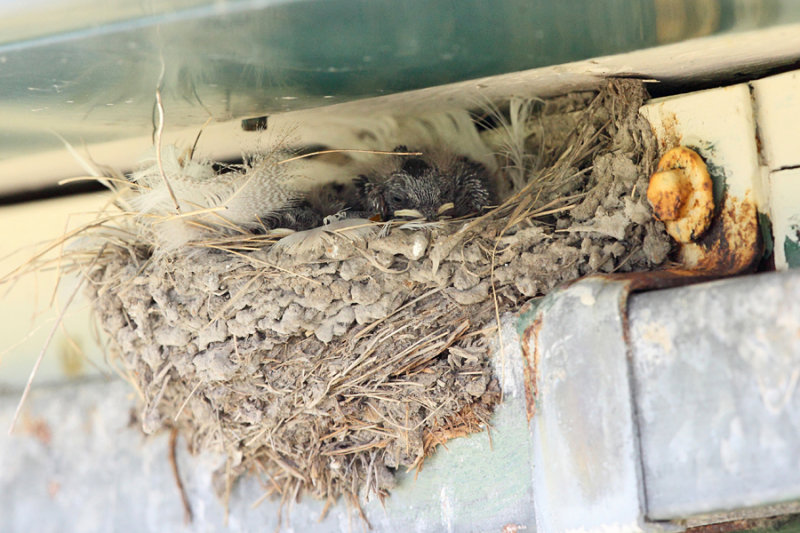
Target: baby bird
x,y
320,203
426,187
420,187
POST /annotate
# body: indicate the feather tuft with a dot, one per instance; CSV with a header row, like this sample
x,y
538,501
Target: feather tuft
x,y
314,240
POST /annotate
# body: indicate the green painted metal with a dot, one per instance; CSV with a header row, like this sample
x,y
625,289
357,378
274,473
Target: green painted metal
x,y
792,250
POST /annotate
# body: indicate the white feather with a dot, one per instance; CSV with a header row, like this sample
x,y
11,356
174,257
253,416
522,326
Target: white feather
x,y
192,183
237,201
233,201
314,240
508,140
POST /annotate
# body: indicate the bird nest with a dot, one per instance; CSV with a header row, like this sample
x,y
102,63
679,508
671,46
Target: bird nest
x,y
329,366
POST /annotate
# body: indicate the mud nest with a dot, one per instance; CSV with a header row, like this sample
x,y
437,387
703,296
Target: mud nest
x,y
328,367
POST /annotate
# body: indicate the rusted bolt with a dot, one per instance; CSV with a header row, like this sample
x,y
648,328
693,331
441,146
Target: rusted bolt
x,y
680,194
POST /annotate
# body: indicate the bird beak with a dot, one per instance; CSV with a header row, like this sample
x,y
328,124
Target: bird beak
x,y
428,213
410,213
444,208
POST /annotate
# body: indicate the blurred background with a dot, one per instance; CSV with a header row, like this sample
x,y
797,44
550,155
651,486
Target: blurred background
x,y
87,69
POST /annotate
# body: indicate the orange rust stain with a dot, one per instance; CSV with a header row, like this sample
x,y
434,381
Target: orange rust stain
x,y
471,419
53,488
732,243
759,146
658,279
38,429
530,366
667,201
725,527
670,137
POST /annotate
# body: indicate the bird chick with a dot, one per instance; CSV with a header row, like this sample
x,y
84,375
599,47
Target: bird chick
x,y
426,186
315,206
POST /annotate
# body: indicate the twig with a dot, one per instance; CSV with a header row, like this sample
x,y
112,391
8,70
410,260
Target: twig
x,y
159,132
401,308
354,501
173,444
496,304
121,181
266,263
55,244
39,359
345,151
186,401
199,133
75,155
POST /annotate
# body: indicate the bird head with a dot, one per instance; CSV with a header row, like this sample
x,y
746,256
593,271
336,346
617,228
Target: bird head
x,y
418,196
415,189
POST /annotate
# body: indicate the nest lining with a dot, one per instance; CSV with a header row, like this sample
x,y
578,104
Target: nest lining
x,y
326,368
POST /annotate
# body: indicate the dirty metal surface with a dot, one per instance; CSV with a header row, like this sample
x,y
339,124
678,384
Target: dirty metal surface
x,y
585,474
716,368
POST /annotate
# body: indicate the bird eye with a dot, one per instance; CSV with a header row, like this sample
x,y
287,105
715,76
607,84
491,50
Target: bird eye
x,y
396,198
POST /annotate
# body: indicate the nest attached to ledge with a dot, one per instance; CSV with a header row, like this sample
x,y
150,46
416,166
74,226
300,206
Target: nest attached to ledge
x,y
329,367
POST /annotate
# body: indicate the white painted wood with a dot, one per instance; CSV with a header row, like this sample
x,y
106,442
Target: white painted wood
x,y
720,125
785,213
777,103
